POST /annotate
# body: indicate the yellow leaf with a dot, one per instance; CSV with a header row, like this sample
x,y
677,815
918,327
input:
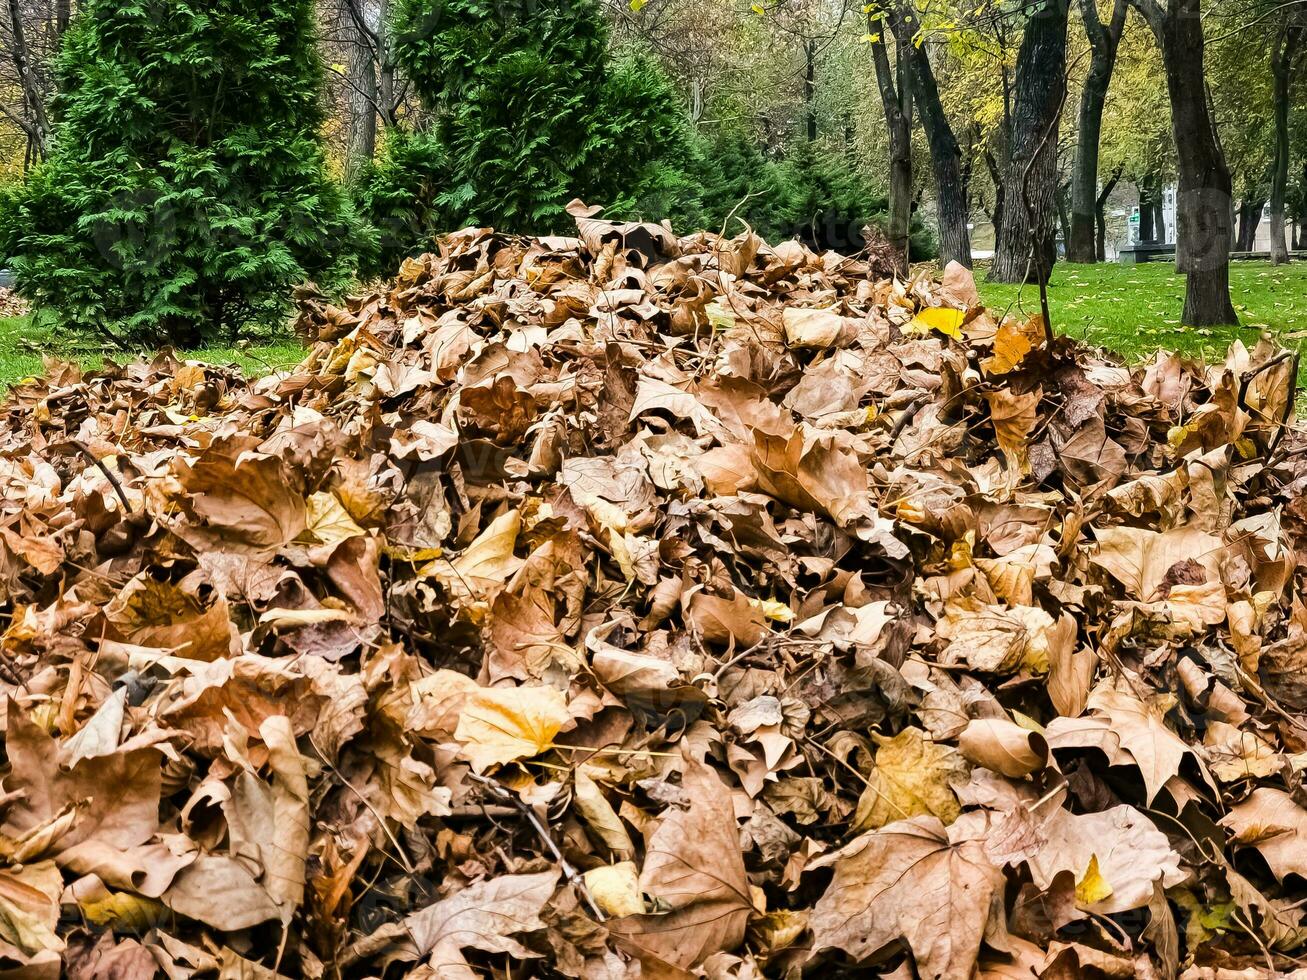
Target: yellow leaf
x,y
1093,887
615,889
947,321
720,316
913,776
1012,343
501,725
775,610
327,522
125,912
487,563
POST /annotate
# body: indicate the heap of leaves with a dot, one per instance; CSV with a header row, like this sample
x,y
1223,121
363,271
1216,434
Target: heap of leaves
x,y
11,304
625,606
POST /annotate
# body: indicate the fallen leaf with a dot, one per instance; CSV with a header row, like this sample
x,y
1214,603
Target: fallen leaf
x,y
912,776
907,881
694,869
500,725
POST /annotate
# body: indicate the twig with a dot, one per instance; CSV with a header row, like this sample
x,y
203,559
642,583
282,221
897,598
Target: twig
x,y
1247,378
85,450
543,832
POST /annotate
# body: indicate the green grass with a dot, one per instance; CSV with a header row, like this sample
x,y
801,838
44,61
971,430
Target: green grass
x,y
23,341
1135,310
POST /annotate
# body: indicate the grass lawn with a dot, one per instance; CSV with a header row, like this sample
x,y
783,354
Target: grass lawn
x,y
23,342
1135,309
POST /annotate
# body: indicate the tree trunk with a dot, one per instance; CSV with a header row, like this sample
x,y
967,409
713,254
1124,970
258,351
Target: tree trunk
x,y
996,175
363,95
386,98
1250,218
1146,234
63,16
1281,70
1100,214
1081,245
1203,216
945,154
33,99
1063,199
1027,249
1159,214
810,87
896,100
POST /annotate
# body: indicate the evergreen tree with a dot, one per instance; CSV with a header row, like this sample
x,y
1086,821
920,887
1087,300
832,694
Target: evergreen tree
x,y
524,110
186,189
514,87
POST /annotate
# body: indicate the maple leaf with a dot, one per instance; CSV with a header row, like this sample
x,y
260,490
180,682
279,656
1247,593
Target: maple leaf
x,y
1270,821
1115,856
912,776
483,916
499,725
907,881
694,868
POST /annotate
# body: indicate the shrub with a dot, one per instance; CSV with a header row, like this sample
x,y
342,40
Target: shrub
x,y
186,189
524,111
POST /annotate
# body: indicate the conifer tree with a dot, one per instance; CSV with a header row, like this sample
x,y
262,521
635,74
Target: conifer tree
x,y
186,188
523,111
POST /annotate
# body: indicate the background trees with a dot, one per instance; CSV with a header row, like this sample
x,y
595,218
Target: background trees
x,y
1104,38
812,118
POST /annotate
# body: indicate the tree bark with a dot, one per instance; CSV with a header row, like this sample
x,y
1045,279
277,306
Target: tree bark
x,y
1027,248
1250,218
63,16
1081,245
1146,234
363,95
896,100
1282,57
34,101
945,154
1063,198
810,87
1100,213
995,175
1203,214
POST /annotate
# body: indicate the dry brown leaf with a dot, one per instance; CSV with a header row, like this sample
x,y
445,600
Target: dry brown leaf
x,y
1140,559
1006,748
484,916
907,881
1270,821
1116,857
1013,417
694,869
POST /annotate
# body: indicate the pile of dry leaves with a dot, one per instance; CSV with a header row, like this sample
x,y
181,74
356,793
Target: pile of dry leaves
x,y
11,304
626,606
